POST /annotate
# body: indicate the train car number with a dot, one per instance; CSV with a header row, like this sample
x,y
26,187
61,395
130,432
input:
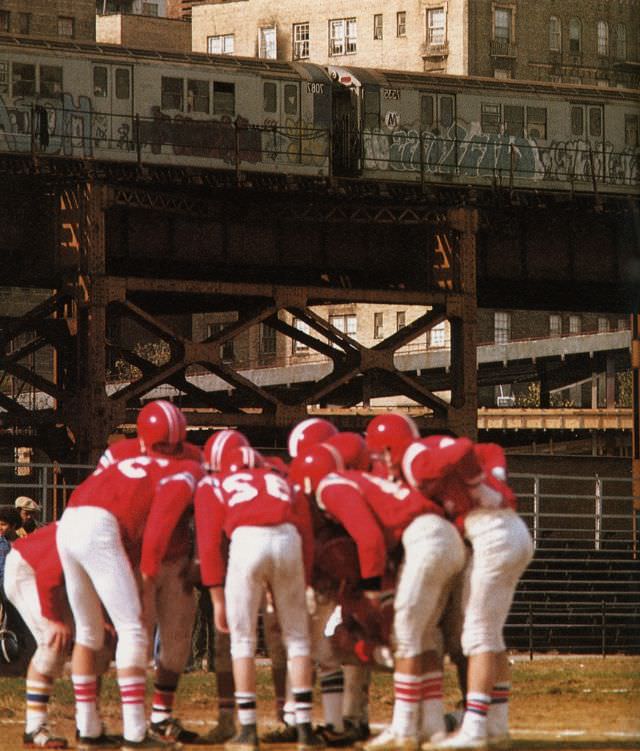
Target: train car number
x,y
315,88
391,94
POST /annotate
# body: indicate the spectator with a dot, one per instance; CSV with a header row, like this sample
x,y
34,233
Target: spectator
x,y
28,510
9,521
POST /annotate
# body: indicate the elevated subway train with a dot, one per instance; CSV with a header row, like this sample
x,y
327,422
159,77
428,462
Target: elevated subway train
x,y
108,103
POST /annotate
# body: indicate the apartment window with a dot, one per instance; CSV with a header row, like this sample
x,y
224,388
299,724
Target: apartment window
x,y
23,79
435,26
303,327
378,325
575,35
348,324
631,130
267,48
100,82
438,335
226,350
24,23
66,26
555,34
224,98
401,319
5,20
502,24
621,42
300,41
501,327
575,324
267,340
123,83
555,325
603,325
149,9
50,80
171,97
377,26
221,44
342,36
197,96
401,24
603,38
623,324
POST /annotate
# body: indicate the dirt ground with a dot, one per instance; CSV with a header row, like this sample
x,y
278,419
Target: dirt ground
x,y
558,704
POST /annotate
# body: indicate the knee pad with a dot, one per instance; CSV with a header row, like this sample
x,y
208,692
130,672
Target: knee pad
x,y
244,647
132,648
90,637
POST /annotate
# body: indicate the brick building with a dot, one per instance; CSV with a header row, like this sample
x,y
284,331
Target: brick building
x,y
52,19
144,32
574,41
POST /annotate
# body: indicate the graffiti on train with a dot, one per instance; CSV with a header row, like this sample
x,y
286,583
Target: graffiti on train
x,y
469,152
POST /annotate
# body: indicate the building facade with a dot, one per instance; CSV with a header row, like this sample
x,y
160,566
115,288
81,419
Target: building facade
x,y
573,41
72,20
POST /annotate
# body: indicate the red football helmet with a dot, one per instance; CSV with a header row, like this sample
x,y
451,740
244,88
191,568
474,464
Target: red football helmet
x,y
161,422
307,470
308,433
352,449
389,435
240,457
219,443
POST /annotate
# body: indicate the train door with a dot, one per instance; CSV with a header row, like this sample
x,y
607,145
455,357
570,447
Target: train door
x,y
113,104
281,111
438,129
346,132
587,131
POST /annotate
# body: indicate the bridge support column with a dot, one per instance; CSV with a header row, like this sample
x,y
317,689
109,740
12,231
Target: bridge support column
x,y
462,418
88,409
635,419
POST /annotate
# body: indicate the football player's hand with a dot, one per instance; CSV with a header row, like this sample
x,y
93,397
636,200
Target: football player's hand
x,y
59,636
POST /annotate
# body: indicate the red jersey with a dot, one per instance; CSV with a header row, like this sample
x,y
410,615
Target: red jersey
x,y
248,498
374,511
127,448
148,495
39,550
463,476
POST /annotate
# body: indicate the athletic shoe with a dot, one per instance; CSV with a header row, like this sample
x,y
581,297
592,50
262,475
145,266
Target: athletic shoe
x,y
389,741
360,730
500,742
308,739
171,729
281,734
245,740
42,738
338,738
89,742
148,743
459,741
222,732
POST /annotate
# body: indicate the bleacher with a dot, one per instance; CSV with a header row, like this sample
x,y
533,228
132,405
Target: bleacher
x,y
575,599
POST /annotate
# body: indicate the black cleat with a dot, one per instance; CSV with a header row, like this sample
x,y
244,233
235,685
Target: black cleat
x,y
172,730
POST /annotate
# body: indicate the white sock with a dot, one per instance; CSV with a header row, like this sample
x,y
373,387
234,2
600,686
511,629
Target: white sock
x,y
85,689
406,705
474,722
132,690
